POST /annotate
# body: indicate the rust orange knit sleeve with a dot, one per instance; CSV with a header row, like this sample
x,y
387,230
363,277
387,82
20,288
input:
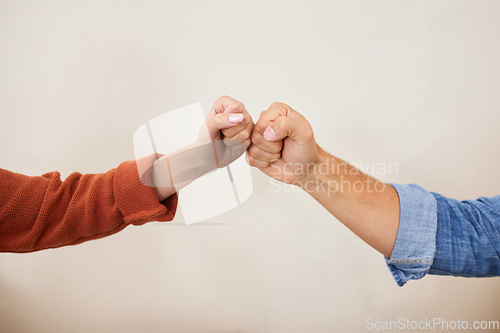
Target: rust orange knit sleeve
x,y
44,212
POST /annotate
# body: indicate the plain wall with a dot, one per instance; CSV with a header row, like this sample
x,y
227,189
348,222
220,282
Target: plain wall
x,y
413,83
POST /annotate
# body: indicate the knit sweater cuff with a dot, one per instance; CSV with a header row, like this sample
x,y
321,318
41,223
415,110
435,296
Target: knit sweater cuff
x,y
136,201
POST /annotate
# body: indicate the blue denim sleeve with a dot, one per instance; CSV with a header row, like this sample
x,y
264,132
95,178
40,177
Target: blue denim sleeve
x,y
443,236
468,237
415,247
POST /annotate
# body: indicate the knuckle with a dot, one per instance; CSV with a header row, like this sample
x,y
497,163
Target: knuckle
x,y
262,116
263,155
247,120
276,147
218,119
260,154
238,106
278,105
260,127
250,160
275,156
245,134
309,136
255,137
238,137
247,124
253,150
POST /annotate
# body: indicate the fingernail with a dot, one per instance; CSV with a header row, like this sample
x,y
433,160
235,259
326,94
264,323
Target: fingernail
x,y
236,118
270,134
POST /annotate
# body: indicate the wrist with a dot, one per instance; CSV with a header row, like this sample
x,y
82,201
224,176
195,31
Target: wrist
x,y
335,177
318,172
177,170
161,179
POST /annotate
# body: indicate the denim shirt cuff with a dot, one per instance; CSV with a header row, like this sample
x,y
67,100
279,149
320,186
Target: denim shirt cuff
x,y
415,246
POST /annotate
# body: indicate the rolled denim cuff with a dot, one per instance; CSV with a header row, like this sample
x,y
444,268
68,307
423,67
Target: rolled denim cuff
x,y
415,247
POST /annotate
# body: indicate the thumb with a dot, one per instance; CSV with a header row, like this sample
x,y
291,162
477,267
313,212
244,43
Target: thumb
x,y
221,121
285,126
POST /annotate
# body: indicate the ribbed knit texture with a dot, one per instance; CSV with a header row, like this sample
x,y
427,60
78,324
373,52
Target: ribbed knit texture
x,y
44,212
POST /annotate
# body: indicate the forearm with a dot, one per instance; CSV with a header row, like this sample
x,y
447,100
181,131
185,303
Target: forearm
x,y
227,121
175,171
366,206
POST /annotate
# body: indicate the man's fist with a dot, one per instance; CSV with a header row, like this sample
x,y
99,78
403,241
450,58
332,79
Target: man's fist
x,y
283,145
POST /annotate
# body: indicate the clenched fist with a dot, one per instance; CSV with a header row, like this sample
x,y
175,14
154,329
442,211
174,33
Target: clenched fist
x,y
222,139
284,148
283,145
228,128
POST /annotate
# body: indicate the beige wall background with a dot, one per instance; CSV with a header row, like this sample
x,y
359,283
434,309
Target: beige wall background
x,y
408,82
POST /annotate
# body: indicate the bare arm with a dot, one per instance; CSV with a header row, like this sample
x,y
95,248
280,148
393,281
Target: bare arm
x,y
366,206
284,148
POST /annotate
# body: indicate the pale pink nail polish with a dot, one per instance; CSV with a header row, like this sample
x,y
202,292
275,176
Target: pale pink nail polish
x,y
236,118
